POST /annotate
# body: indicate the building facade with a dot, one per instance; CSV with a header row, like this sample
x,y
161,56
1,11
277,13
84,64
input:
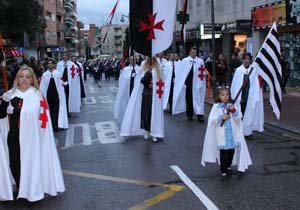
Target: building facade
x,y
114,41
243,26
70,24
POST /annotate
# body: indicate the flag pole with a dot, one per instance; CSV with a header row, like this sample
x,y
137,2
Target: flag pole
x,y
240,91
3,64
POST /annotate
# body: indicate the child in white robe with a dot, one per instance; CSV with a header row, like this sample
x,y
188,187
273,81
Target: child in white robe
x,y
224,139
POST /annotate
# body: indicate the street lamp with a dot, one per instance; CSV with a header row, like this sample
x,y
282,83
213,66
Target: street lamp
x,y
122,18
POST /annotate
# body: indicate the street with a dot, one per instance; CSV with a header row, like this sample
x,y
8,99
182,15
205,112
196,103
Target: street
x,y
104,171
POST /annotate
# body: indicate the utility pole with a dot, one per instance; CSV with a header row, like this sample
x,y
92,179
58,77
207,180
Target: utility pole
x,y
213,48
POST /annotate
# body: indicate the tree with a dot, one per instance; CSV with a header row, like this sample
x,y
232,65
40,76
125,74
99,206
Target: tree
x,y
19,16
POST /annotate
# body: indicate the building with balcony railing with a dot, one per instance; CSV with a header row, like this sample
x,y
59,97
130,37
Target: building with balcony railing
x,y
114,42
71,29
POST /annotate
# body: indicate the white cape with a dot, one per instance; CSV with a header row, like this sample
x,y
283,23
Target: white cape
x,y
40,166
254,115
122,97
131,124
211,154
74,85
6,180
168,80
199,86
62,115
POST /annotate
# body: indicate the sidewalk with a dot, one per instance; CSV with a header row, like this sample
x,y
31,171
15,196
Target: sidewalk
x,y
290,113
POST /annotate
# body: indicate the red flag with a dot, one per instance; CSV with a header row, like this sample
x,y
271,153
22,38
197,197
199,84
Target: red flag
x,y
184,12
112,13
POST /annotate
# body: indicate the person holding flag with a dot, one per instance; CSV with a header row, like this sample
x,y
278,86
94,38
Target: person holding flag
x,y
144,113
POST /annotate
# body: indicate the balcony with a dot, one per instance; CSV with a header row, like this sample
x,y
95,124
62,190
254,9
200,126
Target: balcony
x,y
60,10
71,14
68,6
60,27
69,35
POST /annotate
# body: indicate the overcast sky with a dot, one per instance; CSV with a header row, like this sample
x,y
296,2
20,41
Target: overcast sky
x,y
97,11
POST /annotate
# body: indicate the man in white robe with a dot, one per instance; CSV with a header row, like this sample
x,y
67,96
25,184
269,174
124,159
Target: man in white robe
x,y
190,87
52,87
169,77
80,74
128,79
71,81
251,99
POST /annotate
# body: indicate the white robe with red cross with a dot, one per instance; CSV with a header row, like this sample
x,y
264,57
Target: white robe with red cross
x,y
41,171
74,84
62,114
199,85
131,124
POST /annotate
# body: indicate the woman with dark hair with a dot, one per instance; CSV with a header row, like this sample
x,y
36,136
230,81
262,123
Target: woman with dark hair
x,y
221,70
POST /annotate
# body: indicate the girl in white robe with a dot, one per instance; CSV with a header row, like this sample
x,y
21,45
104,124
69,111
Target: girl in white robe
x,y
33,156
144,113
225,143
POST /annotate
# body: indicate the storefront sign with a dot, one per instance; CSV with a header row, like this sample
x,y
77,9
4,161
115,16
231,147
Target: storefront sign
x,y
56,49
208,28
206,31
266,15
237,26
293,12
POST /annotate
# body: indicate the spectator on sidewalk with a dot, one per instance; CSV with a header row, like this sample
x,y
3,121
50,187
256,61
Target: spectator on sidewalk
x,y
285,72
234,64
221,70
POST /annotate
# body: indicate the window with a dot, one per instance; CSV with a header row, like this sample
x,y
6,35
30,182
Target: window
x,y
48,15
199,3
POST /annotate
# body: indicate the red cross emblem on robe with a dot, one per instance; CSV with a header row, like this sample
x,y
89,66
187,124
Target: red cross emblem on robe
x,y
201,74
43,115
73,73
160,86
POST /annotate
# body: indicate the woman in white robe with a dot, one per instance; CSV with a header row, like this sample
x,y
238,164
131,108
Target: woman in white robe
x,y
33,156
137,115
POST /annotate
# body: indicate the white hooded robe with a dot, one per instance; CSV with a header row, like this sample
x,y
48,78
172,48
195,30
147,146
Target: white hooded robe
x,y
62,115
131,124
122,97
253,119
199,86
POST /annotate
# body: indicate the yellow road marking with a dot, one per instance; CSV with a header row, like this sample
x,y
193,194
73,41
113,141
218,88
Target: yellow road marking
x,y
158,198
172,189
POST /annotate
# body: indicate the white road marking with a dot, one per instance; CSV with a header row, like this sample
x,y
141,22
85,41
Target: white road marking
x,y
86,134
89,100
202,197
92,89
106,100
108,132
114,89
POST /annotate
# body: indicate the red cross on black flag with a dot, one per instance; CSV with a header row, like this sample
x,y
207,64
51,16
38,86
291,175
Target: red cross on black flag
x,y
151,25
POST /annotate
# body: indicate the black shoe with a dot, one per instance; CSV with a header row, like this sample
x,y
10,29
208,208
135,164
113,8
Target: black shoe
x,y
190,119
201,119
250,137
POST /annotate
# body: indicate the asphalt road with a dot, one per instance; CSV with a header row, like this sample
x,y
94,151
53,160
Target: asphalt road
x,y
104,171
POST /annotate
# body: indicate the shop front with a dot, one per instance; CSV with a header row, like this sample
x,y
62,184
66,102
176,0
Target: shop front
x,y
236,37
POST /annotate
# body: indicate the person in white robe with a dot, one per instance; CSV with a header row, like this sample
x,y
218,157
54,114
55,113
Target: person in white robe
x,y
52,87
250,100
71,81
80,71
144,113
224,141
162,61
190,87
6,181
169,77
33,156
128,79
